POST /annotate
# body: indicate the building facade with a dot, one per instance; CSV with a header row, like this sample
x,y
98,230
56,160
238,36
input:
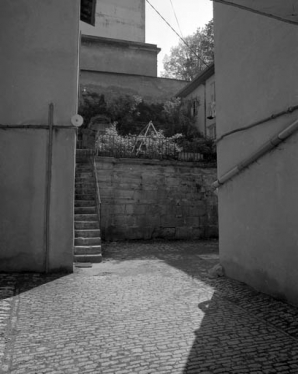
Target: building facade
x,y
256,77
200,92
118,19
115,59
38,66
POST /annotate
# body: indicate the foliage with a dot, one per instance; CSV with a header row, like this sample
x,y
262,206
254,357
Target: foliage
x,y
178,113
131,114
124,110
111,141
155,145
205,146
183,63
91,105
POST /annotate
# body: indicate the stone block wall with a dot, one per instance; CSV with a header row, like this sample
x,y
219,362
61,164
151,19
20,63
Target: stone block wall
x,y
148,199
111,85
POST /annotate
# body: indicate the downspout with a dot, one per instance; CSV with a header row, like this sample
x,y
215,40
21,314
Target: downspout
x,y
48,185
265,148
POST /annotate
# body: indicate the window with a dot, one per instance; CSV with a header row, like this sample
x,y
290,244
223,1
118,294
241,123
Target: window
x,y
211,110
195,103
212,92
194,108
212,131
88,10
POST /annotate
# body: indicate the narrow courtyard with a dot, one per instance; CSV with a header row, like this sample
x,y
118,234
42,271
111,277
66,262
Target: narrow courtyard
x,y
149,307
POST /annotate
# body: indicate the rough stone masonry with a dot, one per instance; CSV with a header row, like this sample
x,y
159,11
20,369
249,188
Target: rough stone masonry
x,y
148,199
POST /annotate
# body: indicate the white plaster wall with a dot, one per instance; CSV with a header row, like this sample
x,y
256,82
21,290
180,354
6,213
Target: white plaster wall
x,y
256,75
203,94
103,55
198,94
38,65
118,19
38,61
210,96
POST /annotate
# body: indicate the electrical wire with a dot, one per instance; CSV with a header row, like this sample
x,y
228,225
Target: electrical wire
x,y
183,40
176,18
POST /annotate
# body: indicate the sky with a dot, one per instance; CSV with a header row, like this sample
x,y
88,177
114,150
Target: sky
x,y
191,14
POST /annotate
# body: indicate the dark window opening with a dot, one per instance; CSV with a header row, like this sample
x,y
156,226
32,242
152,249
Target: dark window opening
x,y
88,10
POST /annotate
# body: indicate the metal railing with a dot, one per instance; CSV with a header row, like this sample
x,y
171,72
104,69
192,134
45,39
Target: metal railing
x,y
97,194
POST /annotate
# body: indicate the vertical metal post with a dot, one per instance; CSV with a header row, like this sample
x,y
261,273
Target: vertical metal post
x,y
48,185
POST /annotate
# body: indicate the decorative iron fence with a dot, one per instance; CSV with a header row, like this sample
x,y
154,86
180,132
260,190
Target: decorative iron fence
x,y
148,148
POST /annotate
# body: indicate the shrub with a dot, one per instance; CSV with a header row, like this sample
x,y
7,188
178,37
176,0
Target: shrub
x,y
155,145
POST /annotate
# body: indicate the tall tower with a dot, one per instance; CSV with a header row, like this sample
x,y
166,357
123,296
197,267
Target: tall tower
x,y
118,19
114,58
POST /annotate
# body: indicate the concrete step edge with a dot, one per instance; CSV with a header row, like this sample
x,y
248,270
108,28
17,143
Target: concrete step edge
x,y
88,233
88,258
88,242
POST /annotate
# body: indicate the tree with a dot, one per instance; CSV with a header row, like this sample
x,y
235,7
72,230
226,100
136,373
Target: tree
x,y
185,62
91,104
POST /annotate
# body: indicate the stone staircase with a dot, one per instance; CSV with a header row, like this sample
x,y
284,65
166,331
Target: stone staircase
x,y
87,223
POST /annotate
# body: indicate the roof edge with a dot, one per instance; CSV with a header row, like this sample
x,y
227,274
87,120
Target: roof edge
x,y
197,81
126,43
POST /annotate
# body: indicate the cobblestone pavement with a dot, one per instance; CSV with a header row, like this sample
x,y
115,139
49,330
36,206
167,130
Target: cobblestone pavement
x,y
148,308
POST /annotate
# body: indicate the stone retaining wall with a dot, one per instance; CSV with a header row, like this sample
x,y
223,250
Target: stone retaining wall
x,y
147,199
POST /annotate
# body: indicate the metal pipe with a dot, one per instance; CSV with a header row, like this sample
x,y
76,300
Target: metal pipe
x,y
289,110
48,185
265,148
35,127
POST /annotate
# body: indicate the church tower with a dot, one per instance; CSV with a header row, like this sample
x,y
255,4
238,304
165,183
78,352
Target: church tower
x,y
114,58
118,19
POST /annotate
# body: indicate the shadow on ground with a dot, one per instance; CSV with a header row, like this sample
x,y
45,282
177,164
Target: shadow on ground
x,y
243,331
12,284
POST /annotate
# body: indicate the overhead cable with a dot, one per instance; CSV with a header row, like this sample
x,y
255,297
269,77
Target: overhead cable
x,y
184,41
176,18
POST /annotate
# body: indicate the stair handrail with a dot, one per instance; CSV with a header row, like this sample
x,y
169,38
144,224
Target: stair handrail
x,y
265,148
97,194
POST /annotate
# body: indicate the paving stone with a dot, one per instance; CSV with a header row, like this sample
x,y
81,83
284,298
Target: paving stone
x,y
149,308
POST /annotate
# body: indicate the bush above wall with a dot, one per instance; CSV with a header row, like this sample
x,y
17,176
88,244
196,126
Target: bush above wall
x,y
132,114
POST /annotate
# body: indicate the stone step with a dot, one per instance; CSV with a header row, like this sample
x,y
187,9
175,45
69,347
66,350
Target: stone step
x,y
84,167
85,217
87,249
84,161
83,155
87,241
84,196
84,179
87,233
85,210
84,173
86,225
84,203
85,182
86,189
94,258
